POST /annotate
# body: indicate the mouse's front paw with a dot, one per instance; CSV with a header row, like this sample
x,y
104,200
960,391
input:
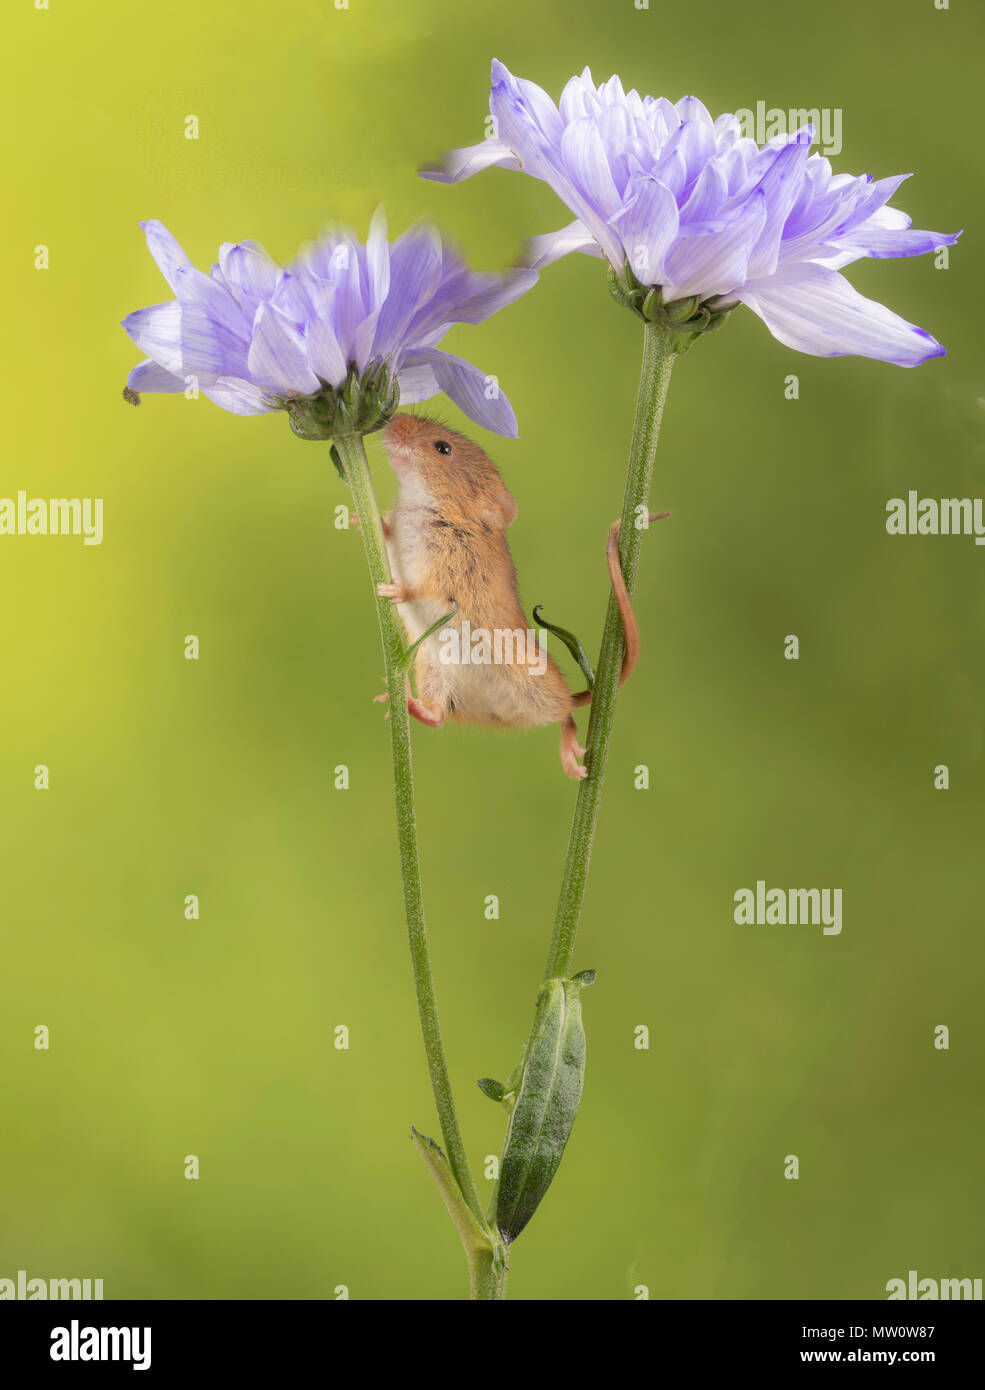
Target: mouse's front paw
x,y
398,592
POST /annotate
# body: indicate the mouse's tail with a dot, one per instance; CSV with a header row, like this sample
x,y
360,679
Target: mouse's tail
x,y
630,627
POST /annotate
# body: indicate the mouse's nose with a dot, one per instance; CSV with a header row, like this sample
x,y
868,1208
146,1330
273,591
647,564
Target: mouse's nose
x,y
400,430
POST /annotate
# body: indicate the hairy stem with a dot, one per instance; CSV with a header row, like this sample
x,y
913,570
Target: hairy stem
x,y
353,456
487,1269
658,359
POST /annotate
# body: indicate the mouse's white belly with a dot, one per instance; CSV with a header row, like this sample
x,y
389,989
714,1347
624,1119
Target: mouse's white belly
x,y
408,566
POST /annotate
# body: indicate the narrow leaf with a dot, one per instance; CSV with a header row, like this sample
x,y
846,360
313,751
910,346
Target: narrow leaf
x,y
472,1234
408,655
571,642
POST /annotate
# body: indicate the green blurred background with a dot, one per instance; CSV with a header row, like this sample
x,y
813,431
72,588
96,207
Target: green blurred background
x,y
170,777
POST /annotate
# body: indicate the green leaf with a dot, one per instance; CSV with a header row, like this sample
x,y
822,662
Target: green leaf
x,y
546,1105
571,642
474,1237
495,1090
408,655
337,460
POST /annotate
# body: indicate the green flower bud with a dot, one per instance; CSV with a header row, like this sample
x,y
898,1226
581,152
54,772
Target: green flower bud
x,y
360,405
686,318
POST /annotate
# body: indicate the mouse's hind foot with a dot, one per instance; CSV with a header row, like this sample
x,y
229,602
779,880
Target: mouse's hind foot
x,y
571,750
415,707
433,718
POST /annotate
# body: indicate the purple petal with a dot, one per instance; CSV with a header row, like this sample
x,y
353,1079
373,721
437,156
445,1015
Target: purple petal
x,y
817,311
647,226
710,191
587,165
491,291
238,397
322,258
195,288
697,136
713,262
672,173
780,186
544,250
166,251
157,331
249,272
378,259
579,97
531,104
691,109
612,92
531,126
883,243
208,348
469,297
277,357
349,306
462,164
874,196
417,384
473,392
148,376
292,296
415,272
325,355
586,184
364,339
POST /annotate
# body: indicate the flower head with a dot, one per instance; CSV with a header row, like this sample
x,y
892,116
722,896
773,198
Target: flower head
x,y
676,200
337,339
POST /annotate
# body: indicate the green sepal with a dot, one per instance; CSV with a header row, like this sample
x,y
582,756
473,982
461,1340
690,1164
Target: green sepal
x,y
680,310
687,319
363,403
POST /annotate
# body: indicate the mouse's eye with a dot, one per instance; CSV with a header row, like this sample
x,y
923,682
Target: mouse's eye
x,y
442,446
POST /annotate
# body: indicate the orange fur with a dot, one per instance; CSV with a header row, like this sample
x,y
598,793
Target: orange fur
x,y
446,539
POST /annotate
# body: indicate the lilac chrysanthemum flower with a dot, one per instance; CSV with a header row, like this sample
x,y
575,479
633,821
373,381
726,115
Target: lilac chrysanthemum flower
x,y
689,204
332,338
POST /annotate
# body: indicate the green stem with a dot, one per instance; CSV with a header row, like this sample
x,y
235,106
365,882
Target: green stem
x,y
658,359
487,1270
353,456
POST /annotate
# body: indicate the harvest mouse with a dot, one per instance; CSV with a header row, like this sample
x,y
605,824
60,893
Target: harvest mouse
x,y
449,557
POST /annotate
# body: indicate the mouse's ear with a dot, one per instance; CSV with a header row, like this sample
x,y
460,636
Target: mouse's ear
x,y
500,509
